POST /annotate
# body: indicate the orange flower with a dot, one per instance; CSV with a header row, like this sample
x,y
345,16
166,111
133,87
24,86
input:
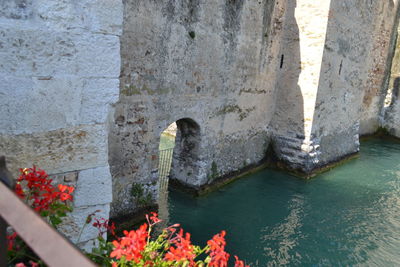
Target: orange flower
x,y
219,257
132,245
239,263
182,249
152,220
40,192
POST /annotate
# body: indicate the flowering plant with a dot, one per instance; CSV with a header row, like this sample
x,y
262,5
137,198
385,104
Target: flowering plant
x,y
53,203
172,247
139,247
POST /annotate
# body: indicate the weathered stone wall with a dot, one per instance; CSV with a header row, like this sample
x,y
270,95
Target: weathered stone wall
x,y
59,69
333,81
381,33
204,61
304,28
352,74
88,86
392,110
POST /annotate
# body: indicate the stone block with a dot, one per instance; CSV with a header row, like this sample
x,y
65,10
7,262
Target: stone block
x,y
97,96
16,9
43,52
72,225
40,104
58,151
94,187
103,16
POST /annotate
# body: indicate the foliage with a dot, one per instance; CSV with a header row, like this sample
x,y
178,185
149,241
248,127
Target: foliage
x,y
172,247
53,203
142,197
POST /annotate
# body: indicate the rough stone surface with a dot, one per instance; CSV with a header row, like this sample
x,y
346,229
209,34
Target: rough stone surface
x,y
381,33
93,187
392,109
203,63
87,87
74,226
334,82
57,151
59,76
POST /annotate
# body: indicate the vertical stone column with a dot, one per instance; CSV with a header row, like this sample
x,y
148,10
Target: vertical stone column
x,y
332,78
382,34
392,110
59,74
352,75
304,32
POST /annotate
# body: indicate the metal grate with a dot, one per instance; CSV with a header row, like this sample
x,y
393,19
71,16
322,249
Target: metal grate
x,y
164,167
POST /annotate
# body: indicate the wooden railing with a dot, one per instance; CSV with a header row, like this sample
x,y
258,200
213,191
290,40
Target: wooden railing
x,y
53,248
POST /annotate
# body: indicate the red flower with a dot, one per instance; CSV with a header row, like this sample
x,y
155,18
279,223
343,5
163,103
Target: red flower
x,y
132,245
152,220
239,263
10,240
181,249
219,257
103,226
65,188
18,190
41,193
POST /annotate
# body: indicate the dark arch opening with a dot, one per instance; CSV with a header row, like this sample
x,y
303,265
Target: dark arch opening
x,y
179,153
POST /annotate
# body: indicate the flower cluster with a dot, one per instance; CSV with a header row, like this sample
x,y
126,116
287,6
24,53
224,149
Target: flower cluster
x,y
131,245
52,202
219,257
104,226
181,249
40,194
172,247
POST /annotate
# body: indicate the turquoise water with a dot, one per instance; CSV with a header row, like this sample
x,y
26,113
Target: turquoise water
x,y
347,216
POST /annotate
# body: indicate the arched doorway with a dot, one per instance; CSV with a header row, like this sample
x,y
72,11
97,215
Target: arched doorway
x,y
179,153
178,159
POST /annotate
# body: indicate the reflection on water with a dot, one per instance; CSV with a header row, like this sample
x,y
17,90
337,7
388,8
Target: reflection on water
x,y
347,216
285,235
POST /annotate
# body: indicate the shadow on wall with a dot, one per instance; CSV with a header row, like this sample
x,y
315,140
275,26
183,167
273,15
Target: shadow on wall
x,y
288,120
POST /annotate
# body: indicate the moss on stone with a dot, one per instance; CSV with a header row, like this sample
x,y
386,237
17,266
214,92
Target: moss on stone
x,y
137,191
133,90
235,109
213,171
140,195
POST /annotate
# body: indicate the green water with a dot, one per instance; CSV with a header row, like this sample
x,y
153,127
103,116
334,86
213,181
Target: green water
x,y
347,216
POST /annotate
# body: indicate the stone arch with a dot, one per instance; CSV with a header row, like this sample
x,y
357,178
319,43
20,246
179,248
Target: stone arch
x,y
185,165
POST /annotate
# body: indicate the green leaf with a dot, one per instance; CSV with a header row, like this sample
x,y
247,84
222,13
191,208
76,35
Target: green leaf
x,y
55,220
